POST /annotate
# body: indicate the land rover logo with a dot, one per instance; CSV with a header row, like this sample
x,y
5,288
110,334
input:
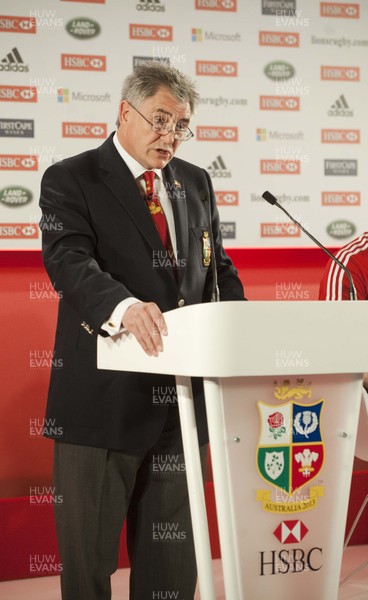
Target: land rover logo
x,y
15,196
83,28
341,229
279,70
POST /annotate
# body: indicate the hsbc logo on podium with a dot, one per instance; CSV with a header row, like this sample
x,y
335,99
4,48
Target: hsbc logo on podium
x,y
290,532
216,68
84,130
150,32
83,62
295,560
18,162
217,134
17,93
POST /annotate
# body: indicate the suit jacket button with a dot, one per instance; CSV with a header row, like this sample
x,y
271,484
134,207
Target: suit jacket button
x,y
181,302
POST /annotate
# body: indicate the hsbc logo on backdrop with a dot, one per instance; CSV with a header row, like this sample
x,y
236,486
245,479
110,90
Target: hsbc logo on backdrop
x,y
279,38
340,198
84,130
224,5
18,162
227,198
17,93
340,136
279,230
18,231
150,32
342,11
216,68
280,167
340,73
279,103
83,62
17,24
217,134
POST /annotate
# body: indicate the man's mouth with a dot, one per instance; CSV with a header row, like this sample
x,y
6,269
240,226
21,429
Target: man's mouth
x,y
163,152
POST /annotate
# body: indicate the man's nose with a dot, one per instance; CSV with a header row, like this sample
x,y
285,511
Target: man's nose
x,y
168,132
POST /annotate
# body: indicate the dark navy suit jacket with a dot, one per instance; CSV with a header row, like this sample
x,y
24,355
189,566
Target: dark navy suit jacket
x,y
99,246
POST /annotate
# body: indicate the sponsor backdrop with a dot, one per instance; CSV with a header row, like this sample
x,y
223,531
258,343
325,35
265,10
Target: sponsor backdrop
x,y
282,82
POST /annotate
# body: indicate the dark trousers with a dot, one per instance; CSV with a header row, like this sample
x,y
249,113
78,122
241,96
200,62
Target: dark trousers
x,y
100,488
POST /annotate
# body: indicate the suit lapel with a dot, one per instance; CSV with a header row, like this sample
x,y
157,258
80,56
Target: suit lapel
x,y
122,184
177,194
120,181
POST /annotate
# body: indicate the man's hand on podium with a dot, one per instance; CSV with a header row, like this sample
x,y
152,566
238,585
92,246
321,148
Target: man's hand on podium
x,y
146,322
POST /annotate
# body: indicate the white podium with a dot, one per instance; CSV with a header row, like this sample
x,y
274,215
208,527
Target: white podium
x,y
283,390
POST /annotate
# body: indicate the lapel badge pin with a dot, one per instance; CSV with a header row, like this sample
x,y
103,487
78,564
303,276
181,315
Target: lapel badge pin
x,y
206,248
177,184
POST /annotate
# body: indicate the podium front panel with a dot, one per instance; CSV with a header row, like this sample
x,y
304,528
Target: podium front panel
x,y
289,445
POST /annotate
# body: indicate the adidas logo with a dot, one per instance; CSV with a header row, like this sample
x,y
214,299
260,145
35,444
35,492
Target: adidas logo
x,y
340,108
150,5
218,168
13,62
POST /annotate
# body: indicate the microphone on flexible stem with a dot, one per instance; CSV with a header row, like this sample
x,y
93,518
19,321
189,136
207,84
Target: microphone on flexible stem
x,y
215,294
272,200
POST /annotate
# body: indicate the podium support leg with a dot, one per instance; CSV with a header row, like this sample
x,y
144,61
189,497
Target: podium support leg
x,y
195,487
216,428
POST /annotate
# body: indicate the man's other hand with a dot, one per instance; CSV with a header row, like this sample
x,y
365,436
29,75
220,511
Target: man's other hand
x,y
146,322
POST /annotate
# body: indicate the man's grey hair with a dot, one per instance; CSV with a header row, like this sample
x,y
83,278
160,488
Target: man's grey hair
x,y
147,78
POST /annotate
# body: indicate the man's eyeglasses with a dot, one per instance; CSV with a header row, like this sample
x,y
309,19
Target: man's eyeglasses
x,y
161,126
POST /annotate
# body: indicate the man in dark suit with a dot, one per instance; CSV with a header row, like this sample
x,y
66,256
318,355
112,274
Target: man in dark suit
x,y
118,265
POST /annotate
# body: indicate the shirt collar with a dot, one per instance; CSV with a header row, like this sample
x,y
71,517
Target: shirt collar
x,y
133,165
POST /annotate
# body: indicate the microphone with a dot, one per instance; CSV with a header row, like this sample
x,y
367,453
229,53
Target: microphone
x,y
215,294
272,200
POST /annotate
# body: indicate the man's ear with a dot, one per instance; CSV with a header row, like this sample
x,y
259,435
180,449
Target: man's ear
x,y
124,111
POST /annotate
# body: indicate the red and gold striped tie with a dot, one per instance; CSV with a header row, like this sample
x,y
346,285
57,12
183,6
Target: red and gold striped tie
x,y
156,211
